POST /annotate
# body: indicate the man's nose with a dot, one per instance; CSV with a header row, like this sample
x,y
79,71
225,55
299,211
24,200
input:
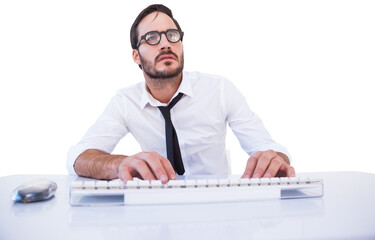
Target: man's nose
x,y
164,43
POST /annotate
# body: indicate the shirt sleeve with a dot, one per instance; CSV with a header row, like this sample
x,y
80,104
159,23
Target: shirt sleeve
x,y
104,134
246,125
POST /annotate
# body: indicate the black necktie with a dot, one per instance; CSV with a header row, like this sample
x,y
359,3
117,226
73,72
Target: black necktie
x,y
173,148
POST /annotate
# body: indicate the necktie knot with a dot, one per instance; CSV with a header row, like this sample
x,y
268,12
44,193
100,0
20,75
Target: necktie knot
x,y
174,101
166,112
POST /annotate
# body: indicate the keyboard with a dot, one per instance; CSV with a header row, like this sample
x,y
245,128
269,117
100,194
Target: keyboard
x,y
89,192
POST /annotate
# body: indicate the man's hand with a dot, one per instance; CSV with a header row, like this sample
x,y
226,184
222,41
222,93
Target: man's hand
x,y
146,165
97,164
268,164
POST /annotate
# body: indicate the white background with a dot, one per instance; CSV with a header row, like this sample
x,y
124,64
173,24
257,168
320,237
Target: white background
x,y
305,67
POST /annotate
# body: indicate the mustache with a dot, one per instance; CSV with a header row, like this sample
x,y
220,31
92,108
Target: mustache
x,y
165,53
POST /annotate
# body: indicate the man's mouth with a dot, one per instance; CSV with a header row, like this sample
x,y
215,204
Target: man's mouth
x,y
166,57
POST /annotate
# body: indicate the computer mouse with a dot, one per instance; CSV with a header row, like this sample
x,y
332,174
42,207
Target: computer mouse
x,y
34,191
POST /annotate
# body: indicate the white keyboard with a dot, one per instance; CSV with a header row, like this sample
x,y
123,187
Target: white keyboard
x,y
187,191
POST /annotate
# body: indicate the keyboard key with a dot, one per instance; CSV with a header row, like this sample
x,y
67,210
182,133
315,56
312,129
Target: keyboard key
x,y
275,181
176,183
303,180
101,184
144,183
132,184
201,182
234,181
284,180
244,181
293,180
115,184
190,183
254,181
156,184
212,182
224,182
89,184
265,181
77,184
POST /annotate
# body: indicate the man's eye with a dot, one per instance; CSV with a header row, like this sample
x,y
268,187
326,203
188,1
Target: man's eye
x,y
172,36
152,37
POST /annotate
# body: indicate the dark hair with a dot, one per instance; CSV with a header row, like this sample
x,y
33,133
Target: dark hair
x,y
150,9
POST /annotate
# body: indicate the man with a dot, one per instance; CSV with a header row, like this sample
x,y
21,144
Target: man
x,y
179,118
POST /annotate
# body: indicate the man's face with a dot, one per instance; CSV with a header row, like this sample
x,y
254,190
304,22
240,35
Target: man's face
x,y
164,60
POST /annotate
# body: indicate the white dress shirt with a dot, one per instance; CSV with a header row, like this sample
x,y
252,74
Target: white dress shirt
x,y
200,118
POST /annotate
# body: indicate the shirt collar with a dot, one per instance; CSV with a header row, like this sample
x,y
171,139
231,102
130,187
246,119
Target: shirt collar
x,y
185,88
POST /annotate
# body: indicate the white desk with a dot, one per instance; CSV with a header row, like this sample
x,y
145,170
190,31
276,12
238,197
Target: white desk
x,y
347,211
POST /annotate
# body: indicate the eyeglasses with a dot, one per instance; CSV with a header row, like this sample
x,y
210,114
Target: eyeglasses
x,y
154,37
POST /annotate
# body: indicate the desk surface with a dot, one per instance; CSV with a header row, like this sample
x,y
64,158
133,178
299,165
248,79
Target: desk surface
x,y
347,211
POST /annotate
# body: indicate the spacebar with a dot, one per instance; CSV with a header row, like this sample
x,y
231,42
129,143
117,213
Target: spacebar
x,y
199,195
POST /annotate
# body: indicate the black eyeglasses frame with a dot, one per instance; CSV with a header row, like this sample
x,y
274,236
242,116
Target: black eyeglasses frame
x,y
143,37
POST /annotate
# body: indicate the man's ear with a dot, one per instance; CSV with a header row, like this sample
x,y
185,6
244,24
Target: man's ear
x,y
136,58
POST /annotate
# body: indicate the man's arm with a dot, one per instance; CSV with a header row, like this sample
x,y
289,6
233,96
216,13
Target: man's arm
x,y
97,164
254,137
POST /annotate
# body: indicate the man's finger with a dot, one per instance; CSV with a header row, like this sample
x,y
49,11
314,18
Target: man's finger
x,y
262,164
250,165
124,174
286,171
159,165
168,168
291,172
274,166
154,160
143,169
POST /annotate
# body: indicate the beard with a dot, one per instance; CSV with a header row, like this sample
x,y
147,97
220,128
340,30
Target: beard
x,y
149,67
